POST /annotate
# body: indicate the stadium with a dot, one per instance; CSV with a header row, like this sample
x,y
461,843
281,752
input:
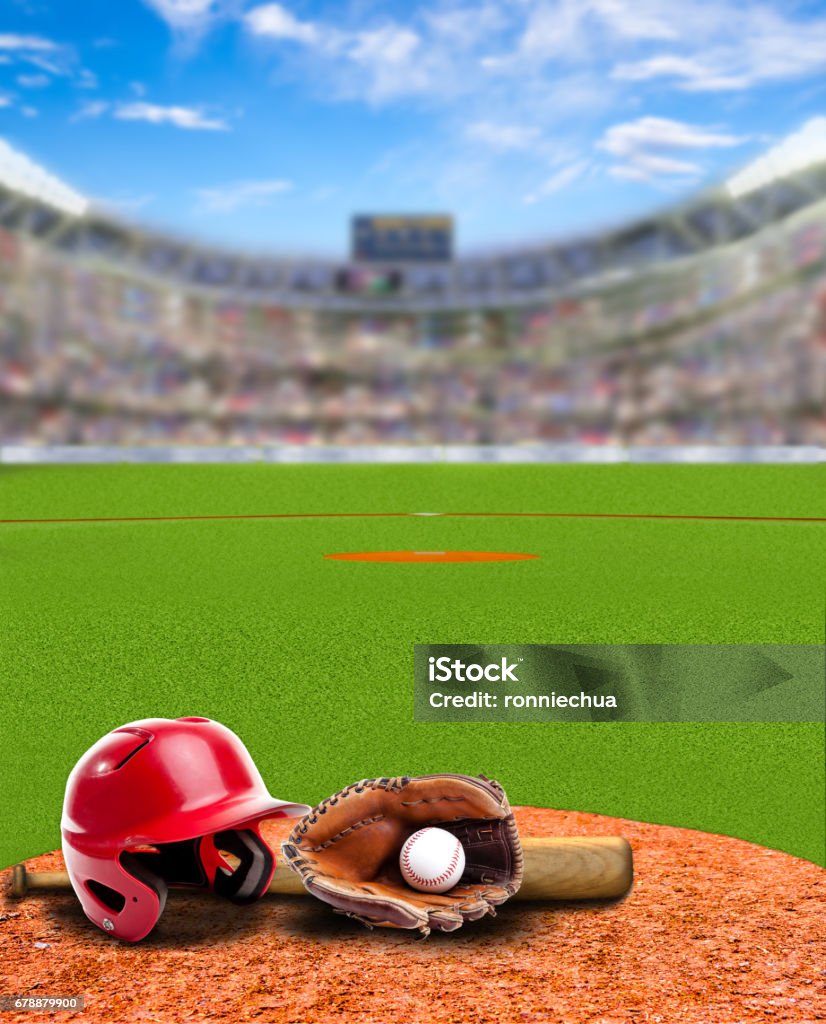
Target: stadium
x,y
269,490
702,325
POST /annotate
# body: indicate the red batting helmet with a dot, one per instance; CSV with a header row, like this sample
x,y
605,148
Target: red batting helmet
x,y
158,803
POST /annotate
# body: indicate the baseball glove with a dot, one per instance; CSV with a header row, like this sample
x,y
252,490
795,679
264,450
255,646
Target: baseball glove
x,y
346,850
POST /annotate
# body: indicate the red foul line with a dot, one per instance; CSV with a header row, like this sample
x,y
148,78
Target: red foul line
x,y
648,515
170,519
363,515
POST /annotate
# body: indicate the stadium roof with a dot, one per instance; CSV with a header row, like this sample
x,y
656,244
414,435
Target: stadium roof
x,y
796,152
20,174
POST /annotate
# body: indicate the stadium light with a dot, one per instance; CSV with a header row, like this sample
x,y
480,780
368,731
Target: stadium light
x,y
19,173
796,152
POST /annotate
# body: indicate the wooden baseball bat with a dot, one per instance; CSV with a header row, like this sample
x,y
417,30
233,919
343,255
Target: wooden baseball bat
x,y
566,868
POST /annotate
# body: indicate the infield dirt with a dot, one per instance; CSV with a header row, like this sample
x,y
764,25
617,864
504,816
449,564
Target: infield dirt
x,y
714,931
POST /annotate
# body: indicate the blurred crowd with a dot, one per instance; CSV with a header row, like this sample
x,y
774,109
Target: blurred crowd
x,y
729,348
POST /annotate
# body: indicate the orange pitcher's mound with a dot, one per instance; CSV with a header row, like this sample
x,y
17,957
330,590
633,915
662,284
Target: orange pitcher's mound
x,y
431,556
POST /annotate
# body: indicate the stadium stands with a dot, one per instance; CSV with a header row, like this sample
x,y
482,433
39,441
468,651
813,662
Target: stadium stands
x,y
705,325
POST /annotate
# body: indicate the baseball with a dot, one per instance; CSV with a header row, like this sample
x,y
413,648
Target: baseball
x,y
432,860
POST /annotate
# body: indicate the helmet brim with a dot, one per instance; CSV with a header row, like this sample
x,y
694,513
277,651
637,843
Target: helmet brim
x,y
190,824
230,814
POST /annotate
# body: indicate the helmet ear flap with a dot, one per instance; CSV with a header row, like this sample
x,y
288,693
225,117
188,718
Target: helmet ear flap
x,y
123,897
141,873
249,881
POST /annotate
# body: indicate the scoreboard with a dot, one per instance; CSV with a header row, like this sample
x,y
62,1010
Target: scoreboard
x,y
402,238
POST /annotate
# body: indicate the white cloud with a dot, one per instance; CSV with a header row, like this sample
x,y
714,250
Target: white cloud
x,y
713,45
388,57
389,45
654,165
377,63
465,28
53,66
569,31
228,198
276,22
503,137
735,47
28,44
87,79
557,31
638,19
695,76
185,13
46,55
91,110
190,21
691,75
33,81
440,50
172,9
646,147
773,47
190,118
662,133
29,111
561,179
5,101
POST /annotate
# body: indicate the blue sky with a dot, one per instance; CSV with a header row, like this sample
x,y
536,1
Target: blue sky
x,y
265,125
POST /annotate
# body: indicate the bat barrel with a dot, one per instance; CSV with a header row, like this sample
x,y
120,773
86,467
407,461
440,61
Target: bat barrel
x,y
576,868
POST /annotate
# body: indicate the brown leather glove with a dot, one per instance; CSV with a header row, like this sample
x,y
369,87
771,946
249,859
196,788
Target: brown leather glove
x,y
347,849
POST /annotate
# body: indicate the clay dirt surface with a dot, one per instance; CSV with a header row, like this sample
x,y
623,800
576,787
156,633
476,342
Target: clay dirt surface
x,y
714,931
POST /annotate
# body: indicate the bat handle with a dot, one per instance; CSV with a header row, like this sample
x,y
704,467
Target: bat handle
x,y
285,882
24,881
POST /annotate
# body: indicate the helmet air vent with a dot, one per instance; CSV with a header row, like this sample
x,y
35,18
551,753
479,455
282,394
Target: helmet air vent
x,y
110,898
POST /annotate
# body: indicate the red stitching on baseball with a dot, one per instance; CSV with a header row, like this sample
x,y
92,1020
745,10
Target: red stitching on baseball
x,y
429,882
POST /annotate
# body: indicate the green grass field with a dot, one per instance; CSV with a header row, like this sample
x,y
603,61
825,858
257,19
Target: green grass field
x,y
310,660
